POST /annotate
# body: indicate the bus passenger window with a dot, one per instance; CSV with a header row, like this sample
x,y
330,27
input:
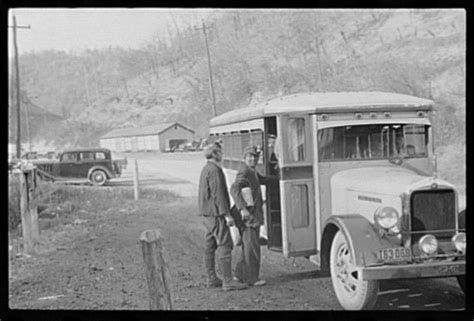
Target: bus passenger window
x,y
296,139
245,141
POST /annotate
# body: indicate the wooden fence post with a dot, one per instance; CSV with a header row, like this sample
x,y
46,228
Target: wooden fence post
x,y
29,213
135,180
157,274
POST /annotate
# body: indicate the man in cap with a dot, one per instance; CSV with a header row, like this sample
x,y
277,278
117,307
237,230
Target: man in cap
x,y
214,206
248,265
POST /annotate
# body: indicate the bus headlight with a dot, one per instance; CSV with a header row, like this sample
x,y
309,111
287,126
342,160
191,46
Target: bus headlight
x,y
459,242
386,217
428,244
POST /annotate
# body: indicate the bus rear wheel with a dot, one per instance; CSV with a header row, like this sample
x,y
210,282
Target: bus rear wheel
x,y
352,292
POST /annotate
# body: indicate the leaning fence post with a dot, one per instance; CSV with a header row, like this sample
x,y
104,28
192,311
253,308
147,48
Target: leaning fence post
x,y
29,214
157,274
135,180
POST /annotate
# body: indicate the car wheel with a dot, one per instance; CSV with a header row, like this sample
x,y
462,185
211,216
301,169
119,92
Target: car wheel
x,y
98,177
462,282
352,292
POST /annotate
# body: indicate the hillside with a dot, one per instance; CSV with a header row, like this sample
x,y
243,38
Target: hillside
x,y
255,55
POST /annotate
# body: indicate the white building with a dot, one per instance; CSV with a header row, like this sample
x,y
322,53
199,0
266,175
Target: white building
x,y
160,137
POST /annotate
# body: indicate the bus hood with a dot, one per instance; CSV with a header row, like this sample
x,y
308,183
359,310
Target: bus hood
x,y
383,180
363,190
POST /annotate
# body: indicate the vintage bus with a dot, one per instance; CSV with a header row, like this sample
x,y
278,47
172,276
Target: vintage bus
x,y
358,191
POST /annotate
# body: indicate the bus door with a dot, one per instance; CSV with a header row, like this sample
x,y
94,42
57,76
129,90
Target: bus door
x,y
297,185
272,223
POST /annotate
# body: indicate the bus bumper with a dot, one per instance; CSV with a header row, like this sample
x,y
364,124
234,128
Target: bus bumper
x,y
411,271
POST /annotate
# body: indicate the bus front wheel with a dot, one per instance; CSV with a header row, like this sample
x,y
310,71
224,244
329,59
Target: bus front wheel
x,y
352,292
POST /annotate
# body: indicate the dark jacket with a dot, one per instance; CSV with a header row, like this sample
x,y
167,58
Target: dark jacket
x,y
247,177
213,197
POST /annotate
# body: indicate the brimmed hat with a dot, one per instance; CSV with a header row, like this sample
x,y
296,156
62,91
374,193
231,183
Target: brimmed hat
x,y
210,149
251,150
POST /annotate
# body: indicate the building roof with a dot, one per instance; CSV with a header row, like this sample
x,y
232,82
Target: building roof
x,y
84,149
325,103
142,131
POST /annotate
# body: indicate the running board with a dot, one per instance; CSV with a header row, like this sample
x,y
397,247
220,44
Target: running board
x,y
316,259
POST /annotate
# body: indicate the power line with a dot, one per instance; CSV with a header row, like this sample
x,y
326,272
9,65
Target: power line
x,y
17,72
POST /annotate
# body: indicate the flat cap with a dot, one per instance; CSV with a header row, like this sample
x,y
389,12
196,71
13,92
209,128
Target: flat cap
x,y
251,150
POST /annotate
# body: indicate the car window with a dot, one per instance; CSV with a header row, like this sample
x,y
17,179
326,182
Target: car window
x,y
69,157
86,156
100,155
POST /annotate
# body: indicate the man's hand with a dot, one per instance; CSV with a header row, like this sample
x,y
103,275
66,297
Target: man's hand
x,y
229,220
245,214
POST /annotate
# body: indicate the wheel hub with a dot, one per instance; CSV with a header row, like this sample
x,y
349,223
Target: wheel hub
x,y
344,265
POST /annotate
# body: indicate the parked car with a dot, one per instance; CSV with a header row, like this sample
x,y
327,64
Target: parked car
x,y
30,155
181,148
51,155
94,165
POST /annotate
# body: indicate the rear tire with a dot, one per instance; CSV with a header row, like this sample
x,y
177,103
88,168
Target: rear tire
x,y
462,282
98,177
352,292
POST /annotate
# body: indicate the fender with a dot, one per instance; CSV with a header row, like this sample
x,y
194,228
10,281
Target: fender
x,y
364,241
105,169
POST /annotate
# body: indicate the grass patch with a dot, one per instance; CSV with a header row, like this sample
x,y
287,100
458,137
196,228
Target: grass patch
x,y
102,198
69,199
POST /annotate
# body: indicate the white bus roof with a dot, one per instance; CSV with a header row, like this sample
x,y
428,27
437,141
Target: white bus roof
x,y
328,102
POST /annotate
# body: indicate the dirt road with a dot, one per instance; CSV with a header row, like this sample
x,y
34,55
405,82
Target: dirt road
x,y
96,263
177,172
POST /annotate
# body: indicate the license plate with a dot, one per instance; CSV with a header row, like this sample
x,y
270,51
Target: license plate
x,y
396,254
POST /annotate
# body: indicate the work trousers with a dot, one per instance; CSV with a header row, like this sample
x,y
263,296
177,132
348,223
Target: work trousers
x,y
218,238
247,268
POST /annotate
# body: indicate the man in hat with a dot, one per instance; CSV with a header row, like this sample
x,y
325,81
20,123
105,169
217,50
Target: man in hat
x,y
248,265
214,206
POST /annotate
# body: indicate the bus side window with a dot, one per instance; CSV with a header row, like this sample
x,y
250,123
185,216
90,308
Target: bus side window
x,y
245,141
296,140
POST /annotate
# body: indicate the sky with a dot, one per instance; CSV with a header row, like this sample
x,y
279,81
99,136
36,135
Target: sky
x,y
94,28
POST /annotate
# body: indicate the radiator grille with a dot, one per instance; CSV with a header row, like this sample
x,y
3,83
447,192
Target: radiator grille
x,y
433,210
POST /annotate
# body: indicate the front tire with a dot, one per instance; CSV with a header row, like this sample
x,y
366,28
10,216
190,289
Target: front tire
x,y
98,177
352,292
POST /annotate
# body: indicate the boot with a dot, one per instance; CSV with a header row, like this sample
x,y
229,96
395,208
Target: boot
x,y
212,280
228,284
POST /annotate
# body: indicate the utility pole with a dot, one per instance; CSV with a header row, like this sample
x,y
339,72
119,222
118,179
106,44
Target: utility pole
x,y
318,53
211,86
17,72
28,126
320,76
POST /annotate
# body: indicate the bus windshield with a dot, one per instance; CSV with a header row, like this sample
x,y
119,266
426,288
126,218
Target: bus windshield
x,y
368,142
